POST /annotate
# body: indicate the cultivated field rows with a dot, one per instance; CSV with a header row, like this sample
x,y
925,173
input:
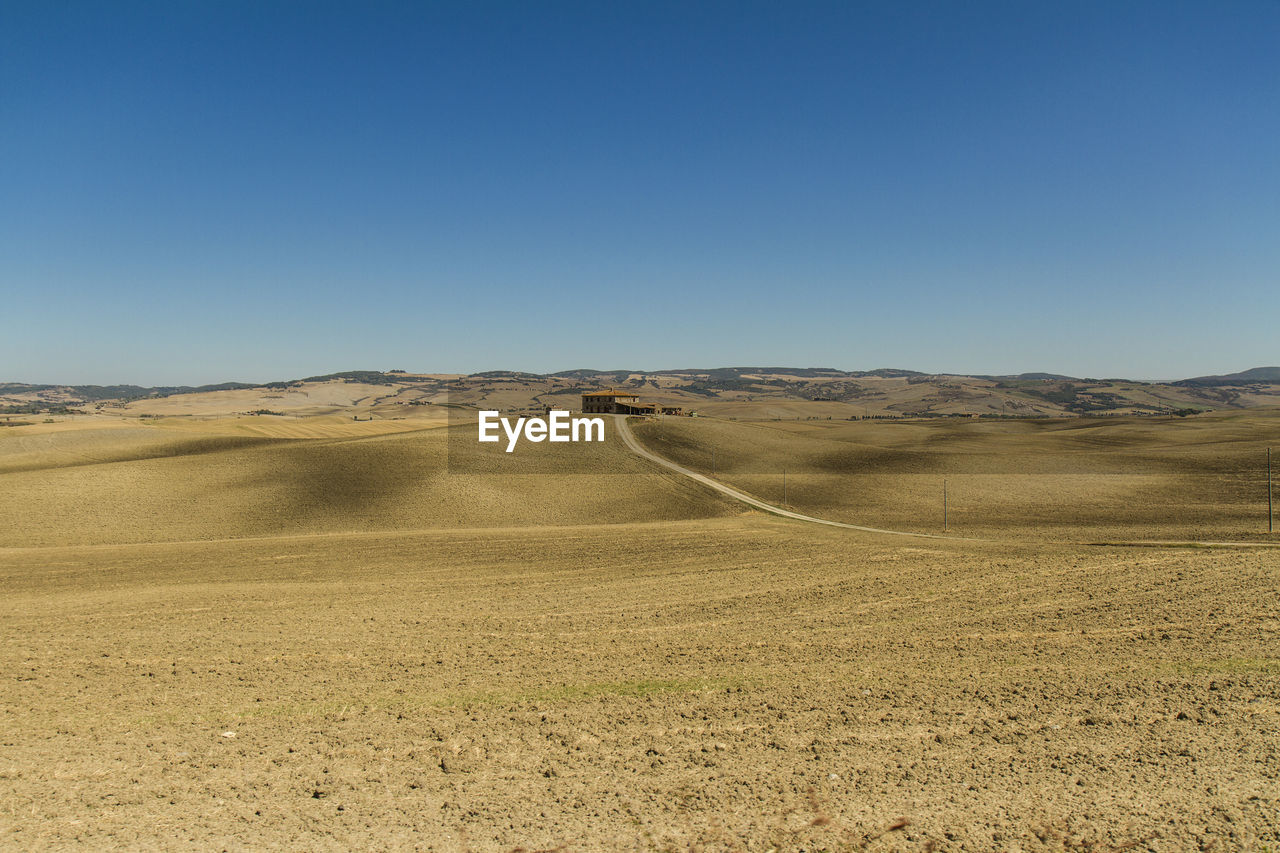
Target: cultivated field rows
x,y
241,642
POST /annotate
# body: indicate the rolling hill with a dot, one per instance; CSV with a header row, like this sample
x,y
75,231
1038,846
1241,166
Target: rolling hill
x,y
729,392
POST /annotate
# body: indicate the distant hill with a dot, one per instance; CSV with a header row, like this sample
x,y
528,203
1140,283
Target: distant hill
x,y
90,393
1244,377
587,373
731,392
1031,377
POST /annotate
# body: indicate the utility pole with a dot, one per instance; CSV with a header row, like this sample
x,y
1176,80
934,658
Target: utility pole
x,y
784,486
713,462
944,506
1271,518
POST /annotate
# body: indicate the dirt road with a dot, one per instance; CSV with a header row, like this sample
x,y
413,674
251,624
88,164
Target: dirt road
x,y
629,440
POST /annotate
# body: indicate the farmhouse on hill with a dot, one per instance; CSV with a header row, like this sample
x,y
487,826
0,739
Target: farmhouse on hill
x,y
613,402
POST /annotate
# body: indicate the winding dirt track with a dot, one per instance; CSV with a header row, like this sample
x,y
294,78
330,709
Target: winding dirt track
x,y
629,439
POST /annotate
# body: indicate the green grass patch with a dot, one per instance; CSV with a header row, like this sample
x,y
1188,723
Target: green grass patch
x,y
363,703
579,692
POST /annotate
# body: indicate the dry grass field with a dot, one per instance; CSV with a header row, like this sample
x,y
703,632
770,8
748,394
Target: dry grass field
x,y
82,486
224,637
1078,479
741,393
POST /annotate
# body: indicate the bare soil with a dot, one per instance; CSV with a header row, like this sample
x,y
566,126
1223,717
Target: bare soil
x,y
342,643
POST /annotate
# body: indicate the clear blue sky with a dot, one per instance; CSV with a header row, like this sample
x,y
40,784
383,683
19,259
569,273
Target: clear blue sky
x,y
204,191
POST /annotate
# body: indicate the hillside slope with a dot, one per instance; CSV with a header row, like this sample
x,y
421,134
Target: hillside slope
x,y
738,392
87,487
1064,479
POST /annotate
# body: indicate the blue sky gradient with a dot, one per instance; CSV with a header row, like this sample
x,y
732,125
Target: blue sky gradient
x,y
205,191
